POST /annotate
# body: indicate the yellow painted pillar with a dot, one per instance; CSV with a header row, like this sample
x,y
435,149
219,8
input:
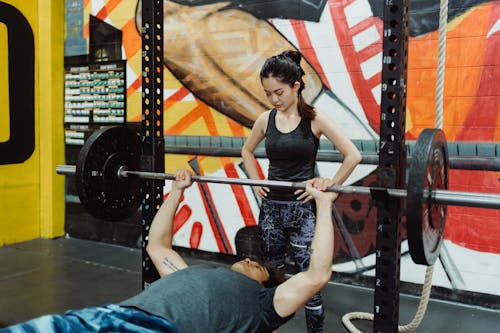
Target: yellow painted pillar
x,y
51,111
31,134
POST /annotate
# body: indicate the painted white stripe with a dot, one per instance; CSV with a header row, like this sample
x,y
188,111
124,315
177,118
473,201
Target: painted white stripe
x,y
376,91
227,207
331,59
365,38
285,28
192,197
357,11
97,5
169,92
372,66
493,29
131,75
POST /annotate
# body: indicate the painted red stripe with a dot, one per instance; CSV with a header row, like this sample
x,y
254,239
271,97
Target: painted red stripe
x,y
307,49
241,198
181,217
175,97
369,104
107,9
102,14
134,86
179,94
196,233
220,236
369,52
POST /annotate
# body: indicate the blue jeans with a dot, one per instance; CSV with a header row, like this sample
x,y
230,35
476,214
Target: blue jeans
x,y
290,224
106,318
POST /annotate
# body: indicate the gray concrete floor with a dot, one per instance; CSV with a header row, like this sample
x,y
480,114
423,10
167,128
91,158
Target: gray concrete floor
x,y
50,276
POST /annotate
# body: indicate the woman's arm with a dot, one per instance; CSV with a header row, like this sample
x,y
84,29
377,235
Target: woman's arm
x,y
324,125
292,294
247,151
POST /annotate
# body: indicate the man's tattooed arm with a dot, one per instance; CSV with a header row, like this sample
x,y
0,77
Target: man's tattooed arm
x,y
169,264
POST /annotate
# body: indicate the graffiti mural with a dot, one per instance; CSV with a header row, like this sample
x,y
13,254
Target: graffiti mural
x,y
213,51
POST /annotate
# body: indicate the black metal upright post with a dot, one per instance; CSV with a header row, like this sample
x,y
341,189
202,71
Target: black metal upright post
x,y
392,165
153,147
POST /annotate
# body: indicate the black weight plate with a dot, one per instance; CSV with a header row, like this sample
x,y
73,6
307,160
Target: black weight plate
x,y
425,220
102,193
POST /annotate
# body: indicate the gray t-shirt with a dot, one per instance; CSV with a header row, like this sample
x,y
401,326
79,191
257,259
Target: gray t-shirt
x,y
208,299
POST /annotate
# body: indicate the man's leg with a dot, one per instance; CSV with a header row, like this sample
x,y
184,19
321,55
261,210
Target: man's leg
x,y
108,318
47,324
114,318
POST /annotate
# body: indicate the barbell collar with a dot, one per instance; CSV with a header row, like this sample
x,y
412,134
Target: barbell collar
x,y
67,170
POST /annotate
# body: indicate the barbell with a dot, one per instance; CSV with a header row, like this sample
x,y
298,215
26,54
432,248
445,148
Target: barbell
x,y
108,182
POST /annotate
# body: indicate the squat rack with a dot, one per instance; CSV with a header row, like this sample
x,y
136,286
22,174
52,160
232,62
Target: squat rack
x,y
392,148
392,165
153,151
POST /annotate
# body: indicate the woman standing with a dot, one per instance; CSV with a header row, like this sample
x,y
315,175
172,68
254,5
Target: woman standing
x,y
292,130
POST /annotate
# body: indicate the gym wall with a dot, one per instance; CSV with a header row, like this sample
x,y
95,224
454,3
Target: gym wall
x,y
31,137
213,52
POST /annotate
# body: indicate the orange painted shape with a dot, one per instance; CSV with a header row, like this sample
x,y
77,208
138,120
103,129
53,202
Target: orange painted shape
x,y
131,39
462,74
236,128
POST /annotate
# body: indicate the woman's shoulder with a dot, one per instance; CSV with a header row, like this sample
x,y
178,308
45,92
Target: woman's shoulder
x,y
321,117
262,120
264,116
321,123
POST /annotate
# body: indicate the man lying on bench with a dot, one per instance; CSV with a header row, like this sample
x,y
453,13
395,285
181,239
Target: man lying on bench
x,y
203,298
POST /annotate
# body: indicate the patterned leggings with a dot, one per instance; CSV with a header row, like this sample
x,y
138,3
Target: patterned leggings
x,y
293,222
107,318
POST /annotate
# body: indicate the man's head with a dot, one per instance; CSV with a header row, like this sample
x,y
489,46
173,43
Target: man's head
x,y
264,274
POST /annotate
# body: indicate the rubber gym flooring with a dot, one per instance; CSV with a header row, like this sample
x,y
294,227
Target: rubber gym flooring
x,y
50,276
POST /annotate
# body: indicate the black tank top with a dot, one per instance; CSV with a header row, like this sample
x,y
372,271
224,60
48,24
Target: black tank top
x,y
292,155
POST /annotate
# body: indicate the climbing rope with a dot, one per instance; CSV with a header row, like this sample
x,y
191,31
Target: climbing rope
x,y
443,20
419,315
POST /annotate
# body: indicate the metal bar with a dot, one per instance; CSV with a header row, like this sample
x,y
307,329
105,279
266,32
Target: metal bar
x,y
451,270
460,162
442,197
153,153
346,237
